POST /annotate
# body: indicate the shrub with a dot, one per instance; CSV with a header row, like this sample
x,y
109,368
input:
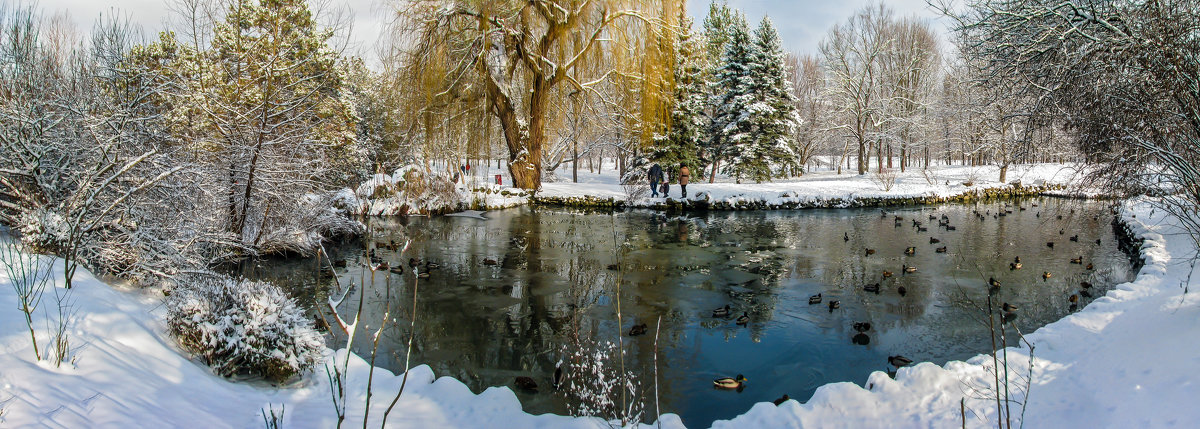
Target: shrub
x,y
243,327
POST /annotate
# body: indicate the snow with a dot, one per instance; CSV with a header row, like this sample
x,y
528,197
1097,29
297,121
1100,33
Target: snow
x,y
1124,360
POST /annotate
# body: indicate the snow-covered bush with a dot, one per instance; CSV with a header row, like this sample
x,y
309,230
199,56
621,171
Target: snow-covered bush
x,y
595,385
242,327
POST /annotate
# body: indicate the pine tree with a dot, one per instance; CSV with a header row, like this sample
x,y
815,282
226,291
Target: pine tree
x,y
773,113
717,28
689,122
732,97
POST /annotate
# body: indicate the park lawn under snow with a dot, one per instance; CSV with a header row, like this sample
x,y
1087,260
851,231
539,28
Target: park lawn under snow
x,y
823,185
1124,360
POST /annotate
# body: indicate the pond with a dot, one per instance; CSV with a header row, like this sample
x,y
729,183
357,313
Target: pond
x,y
512,294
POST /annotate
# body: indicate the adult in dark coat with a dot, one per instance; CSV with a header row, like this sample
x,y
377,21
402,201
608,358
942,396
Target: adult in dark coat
x,y
656,175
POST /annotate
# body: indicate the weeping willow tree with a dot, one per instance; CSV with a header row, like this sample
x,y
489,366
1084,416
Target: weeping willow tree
x,y
466,63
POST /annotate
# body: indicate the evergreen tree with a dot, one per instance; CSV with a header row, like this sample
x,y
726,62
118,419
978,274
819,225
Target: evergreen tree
x,y
689,121
731,127
772,114
717,27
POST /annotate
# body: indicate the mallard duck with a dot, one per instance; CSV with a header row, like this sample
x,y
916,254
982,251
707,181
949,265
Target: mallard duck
x,y
743,319
489,261
908,269
902,290
397,270
870,251
423,275
781,400
1050,244
1017,259
951,228
887,274
636,330
860,339
862,326
934,240
1073,298
1085,285
1061,232
1090,266
612,267
526,383
993,282
1074,238
1008,308
922,229
1078,260
872,288
834,304
1014,266
721,311
899,361
815,299
730,383
1045,275
910,250
940,249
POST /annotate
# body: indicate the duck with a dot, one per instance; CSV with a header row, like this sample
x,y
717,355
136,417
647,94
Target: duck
x,y
1045,275
743,319
489,261
951,228
815,299
870,251
612,267
910,250
1078,260
730,382
834,304
1008,308
1061,232
899,361
1014,266
1008,317
413,262
1074,238
1073,298
1059,217
340,263
397,270
1017,259
922,229
722,311
1090,266
557,381
383,266
845,236
940,249
636,330
862,326
902,290
908,269
423,275
1085,285
887,274
872,288
934,240
993,282
1050,244
1097,241
526,383
781,400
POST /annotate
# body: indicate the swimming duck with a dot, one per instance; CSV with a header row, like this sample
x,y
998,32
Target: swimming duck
x,y
910,250
815,299
397,270
1097,241
872,288
908,269
1008,308
993,282
902,290
922,229
1017,259
1078,260
722,311
781,400
834,304
1073,298
1085,285
1061,232
423,275
899,361
940,249
489,261
862,326
1008,317
413,262
637,330
743,319
951,228
870,251
934,240
383,266
1045,275
613,267
887,274
729,383
1090,267
1075,238
1050,244
1014,266
526,383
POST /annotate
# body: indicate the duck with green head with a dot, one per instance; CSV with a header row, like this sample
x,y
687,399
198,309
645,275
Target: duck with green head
x,y
729,382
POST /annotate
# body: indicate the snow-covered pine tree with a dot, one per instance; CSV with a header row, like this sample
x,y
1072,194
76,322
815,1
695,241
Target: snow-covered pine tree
x,y
716,37
732,96
772,114
689,121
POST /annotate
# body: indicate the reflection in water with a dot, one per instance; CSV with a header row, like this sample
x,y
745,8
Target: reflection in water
x,y
555,275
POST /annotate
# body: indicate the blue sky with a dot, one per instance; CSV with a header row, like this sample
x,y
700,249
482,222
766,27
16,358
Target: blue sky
x,y
801,23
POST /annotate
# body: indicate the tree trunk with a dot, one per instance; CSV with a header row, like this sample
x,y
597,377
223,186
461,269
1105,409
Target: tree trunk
x,y
575,161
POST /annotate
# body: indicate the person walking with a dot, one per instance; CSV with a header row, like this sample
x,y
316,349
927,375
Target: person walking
x,y
656,175
684,174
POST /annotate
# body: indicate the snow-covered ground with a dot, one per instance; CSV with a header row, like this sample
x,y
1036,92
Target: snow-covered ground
x,y
1125,360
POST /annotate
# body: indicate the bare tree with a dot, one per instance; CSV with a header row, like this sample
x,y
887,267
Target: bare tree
x,y
852,54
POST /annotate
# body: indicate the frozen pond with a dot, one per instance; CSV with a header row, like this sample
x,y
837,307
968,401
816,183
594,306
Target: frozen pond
x,y
555,275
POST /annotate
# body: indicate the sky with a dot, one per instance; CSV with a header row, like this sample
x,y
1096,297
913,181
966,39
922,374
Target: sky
x,y
801,23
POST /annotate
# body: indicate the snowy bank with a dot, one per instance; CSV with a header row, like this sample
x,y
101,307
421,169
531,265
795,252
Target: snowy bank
x,y
128,372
